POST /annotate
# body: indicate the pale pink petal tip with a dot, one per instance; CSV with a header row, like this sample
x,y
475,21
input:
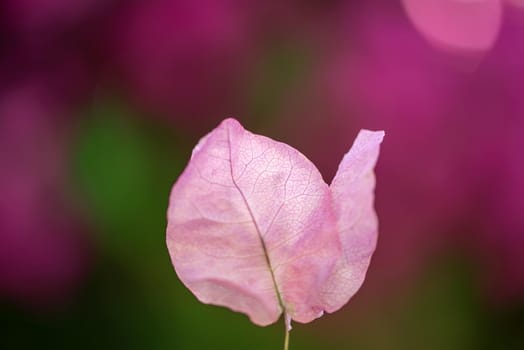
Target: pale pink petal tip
x,y
372,136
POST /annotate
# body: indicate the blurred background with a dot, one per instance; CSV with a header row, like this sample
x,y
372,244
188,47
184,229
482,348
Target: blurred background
x,y
102,101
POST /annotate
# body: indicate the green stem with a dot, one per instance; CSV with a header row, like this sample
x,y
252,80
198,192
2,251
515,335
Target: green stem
x,y
286,339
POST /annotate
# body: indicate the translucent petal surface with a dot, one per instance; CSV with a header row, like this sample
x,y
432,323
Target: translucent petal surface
x,y
253,227
357,225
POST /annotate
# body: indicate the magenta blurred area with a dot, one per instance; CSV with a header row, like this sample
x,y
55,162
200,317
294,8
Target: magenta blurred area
x,y
102,101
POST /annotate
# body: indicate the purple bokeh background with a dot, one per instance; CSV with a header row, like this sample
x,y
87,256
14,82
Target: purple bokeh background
x,y
309,73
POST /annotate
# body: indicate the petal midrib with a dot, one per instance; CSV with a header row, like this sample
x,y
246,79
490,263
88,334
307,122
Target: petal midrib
x,y
259,233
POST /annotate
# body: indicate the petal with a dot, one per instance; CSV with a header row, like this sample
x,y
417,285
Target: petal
x,y
251,227
353,195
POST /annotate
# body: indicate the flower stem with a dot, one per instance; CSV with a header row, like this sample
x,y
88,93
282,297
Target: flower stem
x,y
286,339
